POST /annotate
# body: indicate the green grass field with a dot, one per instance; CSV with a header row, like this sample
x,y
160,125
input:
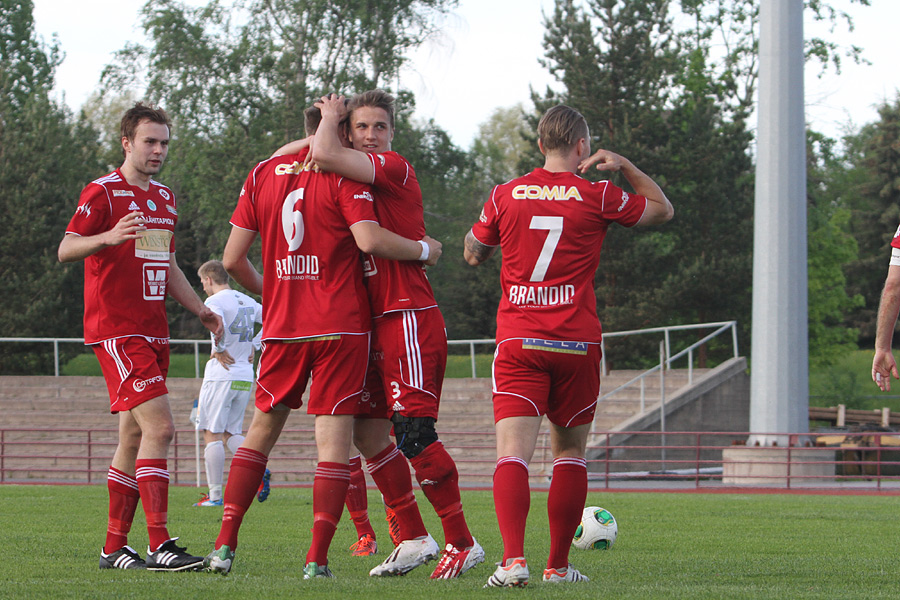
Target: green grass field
x,y
670,546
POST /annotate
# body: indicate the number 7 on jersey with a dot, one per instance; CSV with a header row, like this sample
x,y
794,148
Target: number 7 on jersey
x,y
554,227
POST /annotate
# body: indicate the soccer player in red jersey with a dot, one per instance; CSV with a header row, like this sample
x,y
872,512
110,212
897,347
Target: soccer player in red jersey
x,y
550,225
124,229
316,327
409,345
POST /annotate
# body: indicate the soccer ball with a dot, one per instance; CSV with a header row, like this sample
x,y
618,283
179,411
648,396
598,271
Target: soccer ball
x,y
598,529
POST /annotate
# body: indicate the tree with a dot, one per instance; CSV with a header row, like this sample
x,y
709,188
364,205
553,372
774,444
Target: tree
x,y
235,81
45,160
871,188
831,246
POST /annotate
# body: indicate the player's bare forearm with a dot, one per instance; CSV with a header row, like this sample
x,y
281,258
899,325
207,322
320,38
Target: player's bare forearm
x,y
475,252
883,363
74,247
659,209
888,310
293,147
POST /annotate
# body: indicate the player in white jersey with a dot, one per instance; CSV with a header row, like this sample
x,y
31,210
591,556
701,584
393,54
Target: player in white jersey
x,y
228,377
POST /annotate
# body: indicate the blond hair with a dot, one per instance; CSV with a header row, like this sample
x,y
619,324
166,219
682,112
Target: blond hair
x,y
560,128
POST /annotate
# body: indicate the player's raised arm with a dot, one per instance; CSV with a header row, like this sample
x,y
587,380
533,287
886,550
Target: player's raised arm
x,y
293,147
659,209
329,153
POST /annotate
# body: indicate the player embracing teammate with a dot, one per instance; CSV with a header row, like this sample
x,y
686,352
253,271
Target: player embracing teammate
x,y
409,345
550,225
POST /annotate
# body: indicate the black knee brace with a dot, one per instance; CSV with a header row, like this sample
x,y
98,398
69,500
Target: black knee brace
x,y
413,434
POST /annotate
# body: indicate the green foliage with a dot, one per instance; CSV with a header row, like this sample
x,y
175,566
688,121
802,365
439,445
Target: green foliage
x,y
871,188
830,247
44,157
774,546
847,380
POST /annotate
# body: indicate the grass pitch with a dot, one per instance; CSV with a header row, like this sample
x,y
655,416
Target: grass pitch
x,y
670,546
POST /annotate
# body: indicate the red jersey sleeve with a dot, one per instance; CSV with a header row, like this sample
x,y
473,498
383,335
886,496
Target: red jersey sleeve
x,y
92,214
244,215
486,230
356,202
895,243
622,207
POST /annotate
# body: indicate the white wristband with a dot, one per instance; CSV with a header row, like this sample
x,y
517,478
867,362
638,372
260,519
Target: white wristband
x,y
425,250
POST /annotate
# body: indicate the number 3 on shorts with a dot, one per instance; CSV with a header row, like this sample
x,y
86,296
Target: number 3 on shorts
x,y
395,390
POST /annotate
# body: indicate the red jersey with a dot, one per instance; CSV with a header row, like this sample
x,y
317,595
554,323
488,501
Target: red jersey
x,y
397,285
125,285
312,270
550,227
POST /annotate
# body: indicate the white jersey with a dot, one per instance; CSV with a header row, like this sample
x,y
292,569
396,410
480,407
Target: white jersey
x,y
239,313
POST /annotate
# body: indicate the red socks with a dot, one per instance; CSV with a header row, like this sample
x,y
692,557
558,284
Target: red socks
x,y
329,493
357,499
437,476
123,500
390,471
512,500
153,482
565,502
244,476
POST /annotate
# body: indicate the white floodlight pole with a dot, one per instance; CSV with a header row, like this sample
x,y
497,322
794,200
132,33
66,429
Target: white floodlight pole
x,y
779,379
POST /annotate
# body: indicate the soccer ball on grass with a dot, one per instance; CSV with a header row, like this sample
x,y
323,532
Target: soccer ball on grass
x,y
598,529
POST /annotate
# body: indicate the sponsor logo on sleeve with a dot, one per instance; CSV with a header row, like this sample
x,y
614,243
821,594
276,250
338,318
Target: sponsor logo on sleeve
x,y
171,209
364,196
624,201
84,210
122,193
381,159
483,217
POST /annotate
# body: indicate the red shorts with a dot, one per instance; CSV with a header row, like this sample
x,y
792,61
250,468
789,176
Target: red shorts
x,y
536,377
407,364
336,364
134,368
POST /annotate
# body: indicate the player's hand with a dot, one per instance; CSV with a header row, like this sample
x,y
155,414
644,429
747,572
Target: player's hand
x,y
333,106
213,322
224,357
605,161
435,249
129,227
883,366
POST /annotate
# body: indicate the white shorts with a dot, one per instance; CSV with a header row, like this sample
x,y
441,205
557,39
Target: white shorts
x,y
222,405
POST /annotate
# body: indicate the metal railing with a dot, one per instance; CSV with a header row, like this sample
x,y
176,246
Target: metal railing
x,y
665,357
860,462
666,331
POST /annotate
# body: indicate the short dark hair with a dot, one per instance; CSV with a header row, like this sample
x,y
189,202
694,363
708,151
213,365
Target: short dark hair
x,y
561,127
141,112
376,99
312,116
